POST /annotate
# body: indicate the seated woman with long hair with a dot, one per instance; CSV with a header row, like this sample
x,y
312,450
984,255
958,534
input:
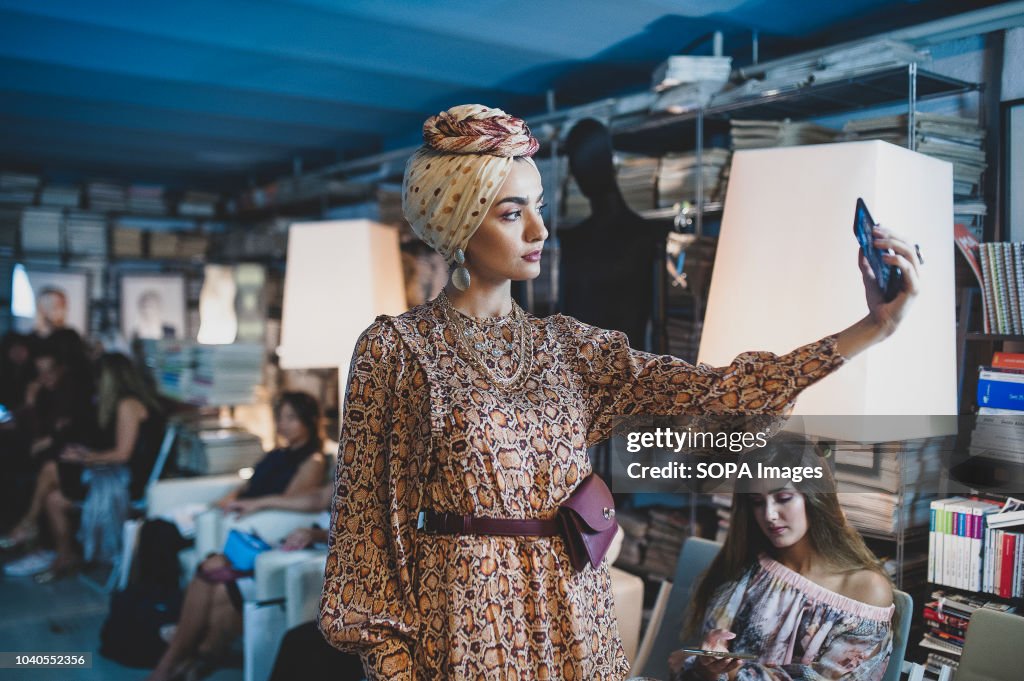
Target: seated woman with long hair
x,y
130,427
288,478
794,585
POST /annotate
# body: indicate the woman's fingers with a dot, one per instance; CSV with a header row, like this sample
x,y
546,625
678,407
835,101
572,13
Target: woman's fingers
x,y
910,276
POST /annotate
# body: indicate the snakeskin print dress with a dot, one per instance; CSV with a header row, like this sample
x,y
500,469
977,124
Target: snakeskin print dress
x,y
424,429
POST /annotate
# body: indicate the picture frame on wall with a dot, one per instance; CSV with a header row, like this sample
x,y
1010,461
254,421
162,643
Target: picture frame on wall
x,y
61,294
153,306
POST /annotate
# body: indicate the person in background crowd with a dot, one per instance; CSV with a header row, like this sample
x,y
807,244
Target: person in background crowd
x,y
793,584
296,468
51,311
211,615
16,370
130,427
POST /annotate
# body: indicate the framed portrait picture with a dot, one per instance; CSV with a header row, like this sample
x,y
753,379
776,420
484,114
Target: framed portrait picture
x,y
55,297
153,306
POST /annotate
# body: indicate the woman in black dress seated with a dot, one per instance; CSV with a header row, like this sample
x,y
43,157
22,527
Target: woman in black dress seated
x,y
287,478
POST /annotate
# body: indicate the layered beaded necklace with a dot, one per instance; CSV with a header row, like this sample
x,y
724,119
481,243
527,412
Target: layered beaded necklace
x,y
476,350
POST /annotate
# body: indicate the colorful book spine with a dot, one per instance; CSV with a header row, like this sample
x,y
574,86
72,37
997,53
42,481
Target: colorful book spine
x,y
1010,279
1008,360
988,297
1018,249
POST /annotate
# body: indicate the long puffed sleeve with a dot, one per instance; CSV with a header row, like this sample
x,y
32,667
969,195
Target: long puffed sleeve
x,y
622,381
368,606
853,651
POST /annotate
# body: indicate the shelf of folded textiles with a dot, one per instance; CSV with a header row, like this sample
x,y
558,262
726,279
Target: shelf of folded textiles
x,y
979,336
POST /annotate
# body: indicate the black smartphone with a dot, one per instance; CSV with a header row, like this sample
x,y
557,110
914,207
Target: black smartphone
x,y
719,654
889,277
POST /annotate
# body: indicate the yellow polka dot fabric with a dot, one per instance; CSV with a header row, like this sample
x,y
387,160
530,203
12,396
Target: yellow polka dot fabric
x,y
451,182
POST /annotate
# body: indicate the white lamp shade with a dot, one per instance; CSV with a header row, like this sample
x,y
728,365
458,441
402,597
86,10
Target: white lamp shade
x,y
340,275
786,274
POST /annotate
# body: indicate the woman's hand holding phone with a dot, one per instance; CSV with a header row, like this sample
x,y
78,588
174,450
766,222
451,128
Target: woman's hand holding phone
x,y
888,315
712,668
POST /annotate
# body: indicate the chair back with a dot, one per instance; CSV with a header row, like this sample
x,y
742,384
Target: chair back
x,y
993,648
694,558
904,612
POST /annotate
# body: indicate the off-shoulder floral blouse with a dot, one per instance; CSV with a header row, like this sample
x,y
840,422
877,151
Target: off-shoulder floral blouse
x,y
799,629
424,429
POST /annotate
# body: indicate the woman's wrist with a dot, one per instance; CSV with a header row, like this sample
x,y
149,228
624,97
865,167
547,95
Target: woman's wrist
x,y
862,335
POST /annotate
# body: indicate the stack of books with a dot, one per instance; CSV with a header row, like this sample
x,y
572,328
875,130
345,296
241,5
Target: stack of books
x,y
126,242
956,541
198,204
1001,393
785,133
677,177
948,616
205,375
1003,573
144,198
87,234
18,188
955,139
218,451
637,176
652,540
60,195
884,486
1002,286
681,70
104,196
41,230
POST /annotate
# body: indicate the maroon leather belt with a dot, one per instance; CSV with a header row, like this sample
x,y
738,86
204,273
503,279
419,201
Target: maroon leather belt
x,y
433,522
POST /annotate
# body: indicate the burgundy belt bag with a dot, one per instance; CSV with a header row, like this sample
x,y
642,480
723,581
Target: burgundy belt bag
x,y
588,522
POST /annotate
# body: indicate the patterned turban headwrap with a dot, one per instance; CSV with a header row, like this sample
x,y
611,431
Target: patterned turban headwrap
x,y
452,180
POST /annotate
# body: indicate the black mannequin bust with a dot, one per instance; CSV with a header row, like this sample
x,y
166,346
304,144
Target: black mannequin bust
x,y
608,259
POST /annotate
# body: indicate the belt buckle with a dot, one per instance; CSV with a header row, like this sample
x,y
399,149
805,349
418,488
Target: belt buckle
x,y
421,522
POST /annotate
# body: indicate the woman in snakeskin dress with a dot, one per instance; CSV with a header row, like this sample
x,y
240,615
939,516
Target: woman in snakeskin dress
x,y
468,405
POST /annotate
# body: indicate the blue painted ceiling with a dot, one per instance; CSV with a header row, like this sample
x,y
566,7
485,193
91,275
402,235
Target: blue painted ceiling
x,y
221,93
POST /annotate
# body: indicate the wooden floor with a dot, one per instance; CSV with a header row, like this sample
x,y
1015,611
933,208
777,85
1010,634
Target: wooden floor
x,y
63,617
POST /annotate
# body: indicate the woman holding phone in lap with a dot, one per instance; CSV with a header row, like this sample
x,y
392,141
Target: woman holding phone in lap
x,y
794,586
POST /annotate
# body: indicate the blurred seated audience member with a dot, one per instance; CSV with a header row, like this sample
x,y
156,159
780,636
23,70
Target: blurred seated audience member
x,y
57,409
294,469
17,370
211,615
131,427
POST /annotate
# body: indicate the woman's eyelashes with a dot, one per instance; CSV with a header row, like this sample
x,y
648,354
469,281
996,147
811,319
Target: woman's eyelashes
x,y
516,214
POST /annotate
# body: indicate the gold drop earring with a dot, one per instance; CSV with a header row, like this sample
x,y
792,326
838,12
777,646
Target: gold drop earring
x,y
460,275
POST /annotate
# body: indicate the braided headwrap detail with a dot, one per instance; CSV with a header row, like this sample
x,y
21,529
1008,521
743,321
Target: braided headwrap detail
x,y
452,180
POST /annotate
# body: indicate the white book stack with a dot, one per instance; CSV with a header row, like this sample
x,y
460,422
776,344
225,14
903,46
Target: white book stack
x,y
60,195
41,230
685,70
220,451
18,188
198,204
86,234
226,374
144,198
105,196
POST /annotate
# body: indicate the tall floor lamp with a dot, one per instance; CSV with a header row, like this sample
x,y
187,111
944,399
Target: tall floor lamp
x,y
786,274
340,275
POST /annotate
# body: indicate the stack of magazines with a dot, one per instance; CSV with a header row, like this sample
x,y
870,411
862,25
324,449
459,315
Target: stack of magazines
x,y
677,176
754,134
954,139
